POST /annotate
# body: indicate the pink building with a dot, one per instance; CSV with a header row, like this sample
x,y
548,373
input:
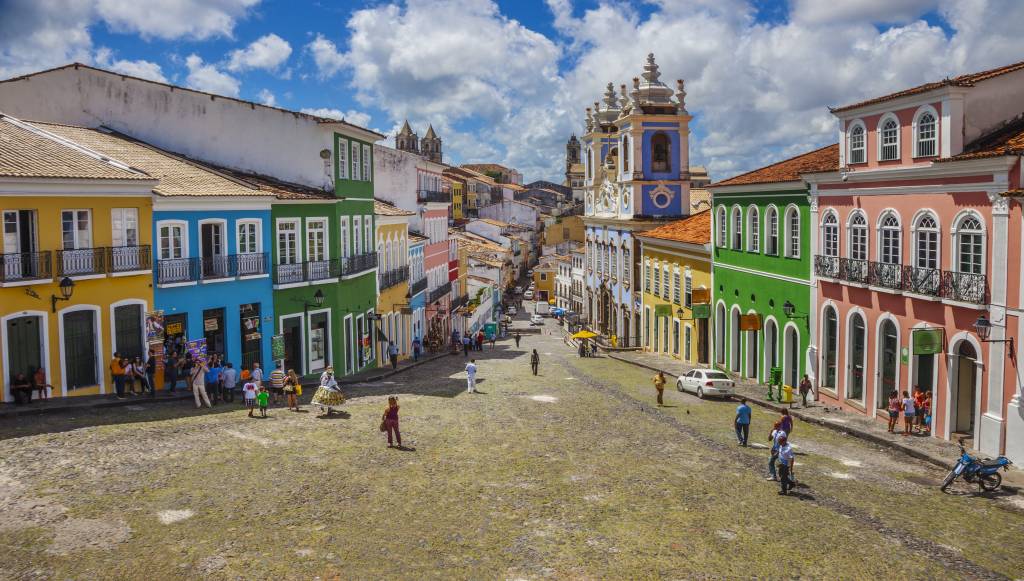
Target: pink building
x,y
917,244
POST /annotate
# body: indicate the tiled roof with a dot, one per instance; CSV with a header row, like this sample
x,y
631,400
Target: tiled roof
x,y
695,229
482,167
253,104
968,80
700,199
27,151
385,209
493,222
1013,193
179,176
789,170
416,238
1005,140
486,260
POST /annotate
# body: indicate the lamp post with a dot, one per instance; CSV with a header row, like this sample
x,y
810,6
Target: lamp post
x,y
67,288
318,301
983,327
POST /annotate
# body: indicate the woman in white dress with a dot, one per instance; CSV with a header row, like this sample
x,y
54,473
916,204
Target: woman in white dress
x,y
329,394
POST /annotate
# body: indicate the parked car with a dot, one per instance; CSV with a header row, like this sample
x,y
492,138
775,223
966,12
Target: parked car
x,y
536,320
528,295
706,382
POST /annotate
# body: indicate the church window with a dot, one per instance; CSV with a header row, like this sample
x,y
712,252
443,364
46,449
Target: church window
x,y
660,147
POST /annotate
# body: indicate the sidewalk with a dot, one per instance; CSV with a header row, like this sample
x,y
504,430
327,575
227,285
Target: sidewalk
x,y
73,404
935,451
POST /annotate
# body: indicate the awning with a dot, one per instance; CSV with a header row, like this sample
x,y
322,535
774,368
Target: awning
x,y
584,334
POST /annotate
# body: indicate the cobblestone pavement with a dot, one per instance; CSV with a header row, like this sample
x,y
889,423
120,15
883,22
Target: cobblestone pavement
x,y
573,473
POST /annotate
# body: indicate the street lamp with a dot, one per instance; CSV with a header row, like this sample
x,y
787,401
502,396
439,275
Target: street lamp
x,y
318,301
790,310
67,288
983,327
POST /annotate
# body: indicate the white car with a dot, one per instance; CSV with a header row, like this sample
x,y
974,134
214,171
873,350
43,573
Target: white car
x,y
536,319
528,295
706,382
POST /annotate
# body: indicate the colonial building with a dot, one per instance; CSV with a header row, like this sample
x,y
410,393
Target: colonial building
x,y
574,168
763,314
636,159
394,312
917,239
676,263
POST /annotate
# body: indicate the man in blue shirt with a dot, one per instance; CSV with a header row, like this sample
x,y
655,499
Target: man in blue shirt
x,y
742,422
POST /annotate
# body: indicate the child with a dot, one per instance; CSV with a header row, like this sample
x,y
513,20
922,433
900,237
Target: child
x,y
263,398
249,391
389,421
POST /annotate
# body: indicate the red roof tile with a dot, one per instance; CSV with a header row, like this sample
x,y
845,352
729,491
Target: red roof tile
x,y
789,170
695,229
1005,140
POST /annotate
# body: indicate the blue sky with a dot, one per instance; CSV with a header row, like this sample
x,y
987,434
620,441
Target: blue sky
x,y
509,81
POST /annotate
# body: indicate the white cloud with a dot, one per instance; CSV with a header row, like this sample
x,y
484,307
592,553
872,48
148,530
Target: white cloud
x,y
39,34
352,116
267,52
104,57
205,77
326,56
884,11
169,19
267,98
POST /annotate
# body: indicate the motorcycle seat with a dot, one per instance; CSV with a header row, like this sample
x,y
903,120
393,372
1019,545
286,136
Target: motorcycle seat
x,y
989,462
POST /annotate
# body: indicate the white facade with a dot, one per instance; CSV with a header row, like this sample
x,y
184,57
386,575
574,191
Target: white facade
x,y
512,212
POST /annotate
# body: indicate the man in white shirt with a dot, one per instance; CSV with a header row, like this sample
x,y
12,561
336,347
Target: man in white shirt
x,y
787,458
777,437
471,375
257,374
230,378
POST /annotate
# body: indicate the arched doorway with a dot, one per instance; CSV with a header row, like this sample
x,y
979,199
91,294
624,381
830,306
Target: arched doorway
x,y
888,351
964,390
830,343
734,341
752,354
791,359
771,347
857,344
720,334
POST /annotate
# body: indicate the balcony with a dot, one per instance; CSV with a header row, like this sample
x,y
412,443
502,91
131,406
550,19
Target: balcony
x,y
252,264
23,267
309,271
125,259
927,282
177,271
439,292
359,263
459,301
81,262
433,196
393,277
216,267
418,286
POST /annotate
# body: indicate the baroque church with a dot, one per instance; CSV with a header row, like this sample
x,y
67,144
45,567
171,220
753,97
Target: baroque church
x,y
429,147
635,155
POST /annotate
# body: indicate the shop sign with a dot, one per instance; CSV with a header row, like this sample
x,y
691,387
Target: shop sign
x,y
210,325
750,322
662,310
155,327
927,341
175,329
277,347
904,355
197,348
701,295
702,311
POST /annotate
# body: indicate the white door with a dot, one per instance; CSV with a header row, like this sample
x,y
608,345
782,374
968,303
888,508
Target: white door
x,y
124,256
76,237
172,265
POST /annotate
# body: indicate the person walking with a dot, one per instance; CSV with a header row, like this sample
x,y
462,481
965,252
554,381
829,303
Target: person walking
x,y
786,422
172,367
389,422
213,379
249,391
659,384
742,422
894,410
151,373
534,361
926,406
39,384
417,346
774,437
262,399
229,379
480,341
257,373
805,389
465,346
393,354
909,413
277,383
787,459
919,410
328,395
117,373
197,378
291,390
518,336
471,376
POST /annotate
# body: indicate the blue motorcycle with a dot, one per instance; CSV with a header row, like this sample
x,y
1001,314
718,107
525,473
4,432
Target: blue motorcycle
x,y
985,472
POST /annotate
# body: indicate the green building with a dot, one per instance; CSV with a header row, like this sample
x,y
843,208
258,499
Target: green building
x,y
761,282
325,263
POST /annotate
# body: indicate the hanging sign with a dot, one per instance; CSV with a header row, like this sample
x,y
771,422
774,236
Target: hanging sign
x,y
702,311
277,347
904,355
210,325
662,310
927,341
750,322
175,329
155,327
701,295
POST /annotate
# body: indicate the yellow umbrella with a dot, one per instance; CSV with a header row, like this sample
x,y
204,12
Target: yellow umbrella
x,y
584,335
551,301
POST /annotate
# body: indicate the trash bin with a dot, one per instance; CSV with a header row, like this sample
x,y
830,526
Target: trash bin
x,y
787,394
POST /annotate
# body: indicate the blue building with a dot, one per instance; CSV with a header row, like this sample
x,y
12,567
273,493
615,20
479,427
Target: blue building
x,y
417,286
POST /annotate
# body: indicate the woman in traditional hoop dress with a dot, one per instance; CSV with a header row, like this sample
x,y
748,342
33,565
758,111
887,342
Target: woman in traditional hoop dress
x,y
329,394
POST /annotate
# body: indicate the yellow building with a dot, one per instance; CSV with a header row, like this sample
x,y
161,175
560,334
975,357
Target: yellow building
x,y
676,279
393,278
565,229
76,279
544,278
458,186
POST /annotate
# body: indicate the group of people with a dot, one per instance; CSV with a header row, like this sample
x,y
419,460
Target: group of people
x,y
782,458
22,386
916,410
132,375
471,342
587,349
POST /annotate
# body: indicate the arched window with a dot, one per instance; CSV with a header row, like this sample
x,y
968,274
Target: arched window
x,y
737,228
925,135
661,161
830,234
858,237
857,147
890,238
792,232
721,227
772,230
888,139
926,242
753,230
612,161
858,350
831,345
625,154
969,236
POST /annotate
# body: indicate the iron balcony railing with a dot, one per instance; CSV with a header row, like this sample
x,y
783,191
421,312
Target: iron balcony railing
x,y
289,273
81,262
433,196
216,267
252,263
359,263
393,277
958,286
439,292
459,301
308,271
177,270
129,258
21,266
418,286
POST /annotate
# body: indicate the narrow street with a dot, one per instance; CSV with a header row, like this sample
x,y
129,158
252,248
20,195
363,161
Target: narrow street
x,y
573,473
